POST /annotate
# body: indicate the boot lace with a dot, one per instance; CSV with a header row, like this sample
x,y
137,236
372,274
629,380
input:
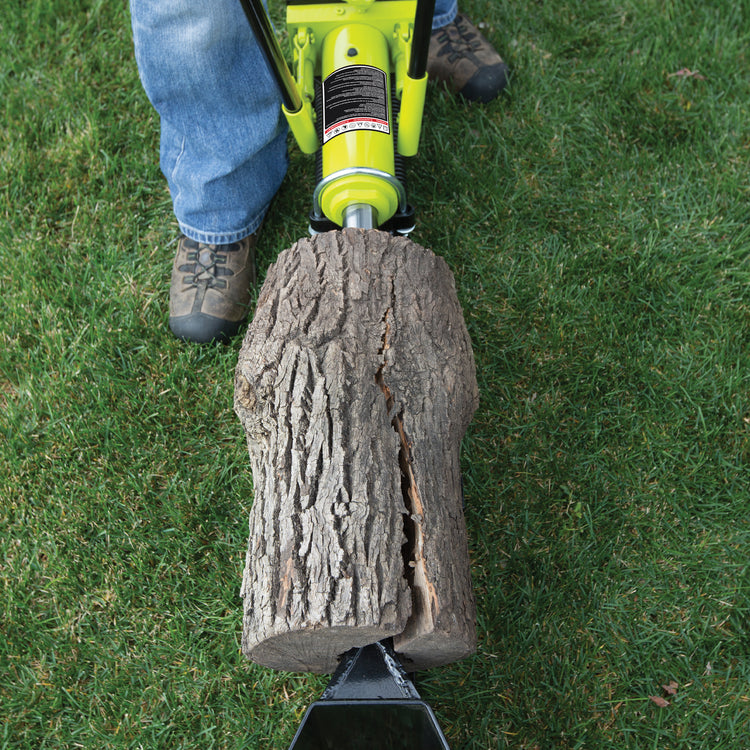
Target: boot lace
x,y
462,43
206,266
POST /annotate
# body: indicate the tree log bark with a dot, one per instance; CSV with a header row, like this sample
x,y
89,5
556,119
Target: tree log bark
x,y
355,385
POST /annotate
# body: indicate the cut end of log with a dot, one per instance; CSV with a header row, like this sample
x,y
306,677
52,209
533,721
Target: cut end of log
x,y
317,651
433,649
355,385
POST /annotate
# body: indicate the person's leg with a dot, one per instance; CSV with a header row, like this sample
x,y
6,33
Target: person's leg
x,y
223,137
223,151
462,57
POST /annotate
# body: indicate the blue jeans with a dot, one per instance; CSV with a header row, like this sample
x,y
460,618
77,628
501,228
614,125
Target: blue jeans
x,y
223,137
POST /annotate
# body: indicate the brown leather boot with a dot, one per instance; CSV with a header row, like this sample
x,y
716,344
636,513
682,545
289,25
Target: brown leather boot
x,y
466,61
210,292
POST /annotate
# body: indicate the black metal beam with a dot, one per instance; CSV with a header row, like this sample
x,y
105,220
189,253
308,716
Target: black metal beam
x,y
370,704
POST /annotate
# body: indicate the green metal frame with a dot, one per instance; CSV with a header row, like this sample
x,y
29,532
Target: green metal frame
x,y
361,52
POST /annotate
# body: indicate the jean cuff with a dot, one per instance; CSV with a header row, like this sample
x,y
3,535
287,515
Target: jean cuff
x,y
438,21
221,238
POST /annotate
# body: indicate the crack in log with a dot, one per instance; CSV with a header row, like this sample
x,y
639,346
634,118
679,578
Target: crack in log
x,y
425,605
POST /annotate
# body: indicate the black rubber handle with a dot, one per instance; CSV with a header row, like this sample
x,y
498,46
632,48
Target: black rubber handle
x,y
420,45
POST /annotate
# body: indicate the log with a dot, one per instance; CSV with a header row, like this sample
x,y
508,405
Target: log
x,y
355,385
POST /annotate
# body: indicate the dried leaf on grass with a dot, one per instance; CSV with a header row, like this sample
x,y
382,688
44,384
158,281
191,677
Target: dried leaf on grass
x,y
670,689
661,702
687,73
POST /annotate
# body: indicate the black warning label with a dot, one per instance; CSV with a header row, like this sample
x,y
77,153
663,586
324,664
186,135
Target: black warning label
x,y
355,98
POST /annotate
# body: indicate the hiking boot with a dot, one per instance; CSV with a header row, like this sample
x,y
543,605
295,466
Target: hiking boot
x,y
466,61
210,292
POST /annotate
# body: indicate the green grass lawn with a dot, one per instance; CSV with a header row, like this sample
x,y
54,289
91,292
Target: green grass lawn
x,y
597,220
